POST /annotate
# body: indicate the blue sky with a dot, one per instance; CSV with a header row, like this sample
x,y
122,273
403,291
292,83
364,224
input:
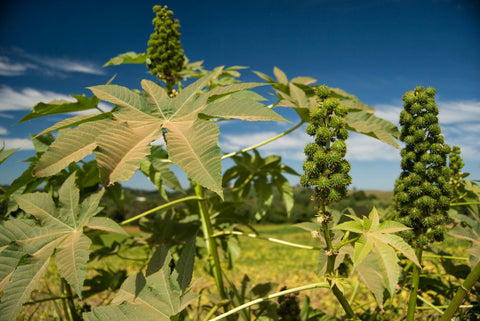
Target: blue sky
x,y
376,50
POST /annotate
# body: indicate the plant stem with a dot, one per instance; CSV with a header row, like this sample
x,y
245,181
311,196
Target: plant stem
x,y
272,296
412,303
462,291
210,241
331,256
264,142
159,208
71,304
270,239
464,203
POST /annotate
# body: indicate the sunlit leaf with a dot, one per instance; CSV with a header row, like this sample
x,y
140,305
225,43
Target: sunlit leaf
x,y
127,58
62,106
28,244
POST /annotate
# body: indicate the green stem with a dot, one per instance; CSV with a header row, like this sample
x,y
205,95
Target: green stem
x,y
461,293
270,239
264,142
448,257
71,304
159,208
464,203
271,296
210,241
412,303
62,297
331,256
431,306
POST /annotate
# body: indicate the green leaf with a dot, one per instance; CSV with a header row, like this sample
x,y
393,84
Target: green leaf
x,y
74,121
367,123
62,106
185,264
280,75
121,149
122,142
375,250
193,146
243,109
71,145
129,57
121,96
4,154
71,258
155,297
23,281
28,244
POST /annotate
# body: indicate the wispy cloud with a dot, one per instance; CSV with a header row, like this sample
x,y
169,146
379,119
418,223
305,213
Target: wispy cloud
x,y
22,143
3,131
8,68
16,62
70,65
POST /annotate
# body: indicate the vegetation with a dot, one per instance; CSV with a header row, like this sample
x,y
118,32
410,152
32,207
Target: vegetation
x,y
75,245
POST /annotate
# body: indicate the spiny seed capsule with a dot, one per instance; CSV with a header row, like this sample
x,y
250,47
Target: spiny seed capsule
x,y
422,193
165,57
329,175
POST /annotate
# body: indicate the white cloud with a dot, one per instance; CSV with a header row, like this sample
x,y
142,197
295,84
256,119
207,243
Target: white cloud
x,y
22,143
454,112
7,68
365,148
26,98
18,62
71,65
3,131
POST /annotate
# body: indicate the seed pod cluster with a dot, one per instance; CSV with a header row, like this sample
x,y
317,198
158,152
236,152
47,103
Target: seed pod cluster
x,y
422,191
325,167
456,175
165,57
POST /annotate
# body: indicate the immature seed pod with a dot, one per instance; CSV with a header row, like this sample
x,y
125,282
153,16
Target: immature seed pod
x,y
165,57
422,192
329,176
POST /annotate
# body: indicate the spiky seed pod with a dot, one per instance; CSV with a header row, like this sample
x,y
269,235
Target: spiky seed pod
x,y
165,57
422,192
329,176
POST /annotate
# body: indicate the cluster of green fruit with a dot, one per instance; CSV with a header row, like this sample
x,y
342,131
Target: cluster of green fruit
x,y
165,57
422,191
325,167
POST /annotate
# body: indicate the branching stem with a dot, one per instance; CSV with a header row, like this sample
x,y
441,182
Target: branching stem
x,y
161,207
264,142
272,296
270,239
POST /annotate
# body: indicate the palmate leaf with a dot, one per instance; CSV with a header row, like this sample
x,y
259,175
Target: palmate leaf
x,y
191,140
160,294
127,58
61,106
28,244
71,145
297,94
377,238
121,148
193,146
